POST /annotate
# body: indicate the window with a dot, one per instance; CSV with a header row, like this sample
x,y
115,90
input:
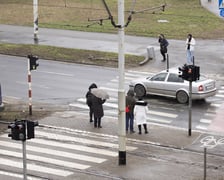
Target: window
x,y
174,78
159,77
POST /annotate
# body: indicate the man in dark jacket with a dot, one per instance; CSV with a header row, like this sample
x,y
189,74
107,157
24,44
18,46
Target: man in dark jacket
x,y
97,105
163,46
130,104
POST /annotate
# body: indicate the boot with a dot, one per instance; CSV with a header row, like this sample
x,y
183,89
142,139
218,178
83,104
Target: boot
x,y
145,127
139,129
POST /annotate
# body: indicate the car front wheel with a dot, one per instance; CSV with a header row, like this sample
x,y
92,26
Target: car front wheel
x,y
140,90
182,97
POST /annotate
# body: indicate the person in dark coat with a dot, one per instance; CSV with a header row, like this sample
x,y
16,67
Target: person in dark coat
x,y
163,46
130,104
89,101
97,105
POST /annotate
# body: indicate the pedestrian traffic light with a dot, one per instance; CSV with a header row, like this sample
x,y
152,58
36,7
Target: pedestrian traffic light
x,y
189,72
18,130
183,72
33,62
30,129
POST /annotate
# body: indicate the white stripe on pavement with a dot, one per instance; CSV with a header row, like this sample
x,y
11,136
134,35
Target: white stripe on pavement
x,y
76,147
16,175
80,140
44,159
170,115
33,167
54,152
207,121
159,120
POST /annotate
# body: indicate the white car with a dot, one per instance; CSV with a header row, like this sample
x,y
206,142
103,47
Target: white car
x,y
169,84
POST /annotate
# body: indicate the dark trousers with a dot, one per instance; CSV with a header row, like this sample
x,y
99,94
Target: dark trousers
x,y
130,121
90,113
97,122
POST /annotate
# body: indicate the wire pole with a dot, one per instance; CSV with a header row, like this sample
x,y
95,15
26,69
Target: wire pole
x,y
121,90
30,87
35,19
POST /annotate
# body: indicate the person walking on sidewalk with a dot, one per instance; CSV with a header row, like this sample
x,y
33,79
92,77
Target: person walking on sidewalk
x,y
140,111
130,104
89,101
163,46
190,43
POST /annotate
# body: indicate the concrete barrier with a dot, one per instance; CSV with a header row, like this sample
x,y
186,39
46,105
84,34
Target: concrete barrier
x,y
149,56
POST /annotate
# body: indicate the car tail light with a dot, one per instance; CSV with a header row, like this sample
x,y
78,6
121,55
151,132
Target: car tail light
x,y
200,88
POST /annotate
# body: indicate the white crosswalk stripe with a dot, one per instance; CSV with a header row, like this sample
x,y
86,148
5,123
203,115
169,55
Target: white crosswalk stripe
x,y
57,152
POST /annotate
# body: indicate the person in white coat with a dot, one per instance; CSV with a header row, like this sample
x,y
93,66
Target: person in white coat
x,y
140,110
190,43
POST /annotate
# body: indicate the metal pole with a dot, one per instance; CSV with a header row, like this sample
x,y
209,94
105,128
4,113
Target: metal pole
x,y
167,63
30,88
121,90
24,161
205,162
35,19
190,107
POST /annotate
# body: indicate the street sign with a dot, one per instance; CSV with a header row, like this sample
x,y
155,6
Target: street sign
x,y
221,12
221,4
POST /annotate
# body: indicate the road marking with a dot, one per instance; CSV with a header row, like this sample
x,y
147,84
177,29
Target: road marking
x,y
201,127
56,152
80,140
56,73
77,147
33,167
162,114
16,175
44,159
159,120
219,95
207,121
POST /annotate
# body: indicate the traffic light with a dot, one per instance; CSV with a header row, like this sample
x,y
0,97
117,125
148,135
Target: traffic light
x,y
30,128
190,72
33,62
183,72
18,130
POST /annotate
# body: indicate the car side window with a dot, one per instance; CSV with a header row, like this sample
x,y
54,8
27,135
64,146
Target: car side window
x,y
174,78
159,77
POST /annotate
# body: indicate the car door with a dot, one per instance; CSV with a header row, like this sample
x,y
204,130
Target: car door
x,y
173,83
156,83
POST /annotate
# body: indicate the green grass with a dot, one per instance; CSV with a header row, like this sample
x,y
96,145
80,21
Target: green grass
x,y
183,16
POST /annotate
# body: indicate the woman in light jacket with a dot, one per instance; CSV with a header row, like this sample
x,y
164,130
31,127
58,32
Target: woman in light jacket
x,y
140,110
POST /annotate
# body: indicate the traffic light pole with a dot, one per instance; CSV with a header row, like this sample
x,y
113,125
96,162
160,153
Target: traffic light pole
x,y
30,88
24,161
190,108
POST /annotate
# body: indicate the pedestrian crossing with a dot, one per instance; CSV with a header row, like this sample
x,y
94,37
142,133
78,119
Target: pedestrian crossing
x,y
162,114
56,153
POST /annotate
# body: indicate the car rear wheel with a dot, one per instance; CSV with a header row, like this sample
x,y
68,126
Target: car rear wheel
x,y
182,97
140,90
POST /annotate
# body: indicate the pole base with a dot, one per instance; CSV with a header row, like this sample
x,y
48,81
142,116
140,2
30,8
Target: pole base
x,y
189,132
122,157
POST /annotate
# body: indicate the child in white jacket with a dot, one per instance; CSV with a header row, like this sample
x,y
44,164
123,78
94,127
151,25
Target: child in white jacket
x,y
140,110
